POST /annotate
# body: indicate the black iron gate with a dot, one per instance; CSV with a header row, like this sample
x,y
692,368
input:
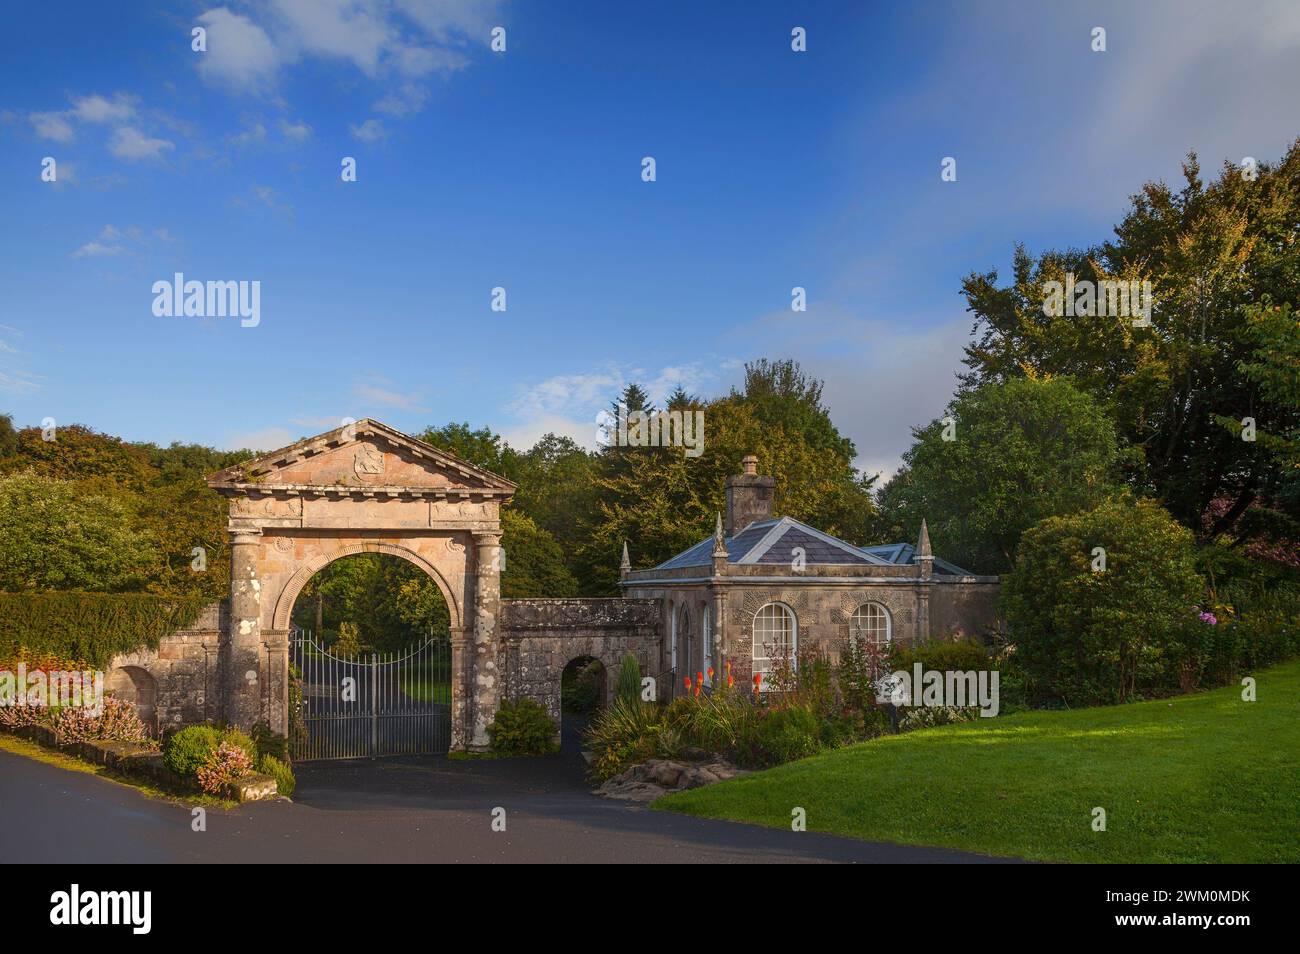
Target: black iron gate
x,y
378,704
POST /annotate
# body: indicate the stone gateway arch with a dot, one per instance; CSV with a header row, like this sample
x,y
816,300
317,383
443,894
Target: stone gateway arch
x,y
361,488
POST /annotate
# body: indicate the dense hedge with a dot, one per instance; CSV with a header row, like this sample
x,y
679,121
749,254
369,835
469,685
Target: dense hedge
x,y
91,627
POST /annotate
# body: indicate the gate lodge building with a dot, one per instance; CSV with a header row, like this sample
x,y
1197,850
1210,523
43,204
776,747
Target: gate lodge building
x,y
762,588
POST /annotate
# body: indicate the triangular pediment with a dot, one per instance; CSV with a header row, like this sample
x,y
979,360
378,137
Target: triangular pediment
x,y
366,455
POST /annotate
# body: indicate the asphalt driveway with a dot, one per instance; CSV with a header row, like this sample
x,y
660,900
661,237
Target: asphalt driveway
x,y
425,809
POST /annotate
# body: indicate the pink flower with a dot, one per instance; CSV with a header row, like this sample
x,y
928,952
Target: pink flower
x,y
1209,618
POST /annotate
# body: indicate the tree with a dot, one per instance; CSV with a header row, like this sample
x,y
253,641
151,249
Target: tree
x,y
1019,451
482,448
65,535
1211,253
783,395
1097,599
534,563
556,489
663,501
348,642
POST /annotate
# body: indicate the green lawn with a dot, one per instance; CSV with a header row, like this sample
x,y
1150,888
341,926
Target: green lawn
x,y
430,682
1201,778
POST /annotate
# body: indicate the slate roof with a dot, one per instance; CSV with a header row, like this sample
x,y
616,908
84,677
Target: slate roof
x,y
905,554
773,542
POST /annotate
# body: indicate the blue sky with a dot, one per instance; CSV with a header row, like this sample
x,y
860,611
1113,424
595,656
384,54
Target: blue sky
x,y
522,170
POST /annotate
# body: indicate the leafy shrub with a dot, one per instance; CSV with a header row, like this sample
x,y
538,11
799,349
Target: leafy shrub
x,y
522,727
852,726
267,742
785,735
93,627
941,655
1091,637
280,771
115,722
624,733
228,763
580,686
186,751
348,642
628,686
925,717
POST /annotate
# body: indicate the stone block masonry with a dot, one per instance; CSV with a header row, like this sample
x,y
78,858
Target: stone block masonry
x,y
541,637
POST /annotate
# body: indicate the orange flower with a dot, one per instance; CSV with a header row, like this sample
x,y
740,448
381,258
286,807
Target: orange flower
x,y
699,682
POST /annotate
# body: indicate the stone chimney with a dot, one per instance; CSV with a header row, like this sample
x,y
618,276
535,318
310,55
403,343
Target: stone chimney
x,y
749,496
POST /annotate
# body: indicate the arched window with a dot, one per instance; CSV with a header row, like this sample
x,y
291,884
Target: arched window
x,y
688,645
672,639
706,632
776,638
871,623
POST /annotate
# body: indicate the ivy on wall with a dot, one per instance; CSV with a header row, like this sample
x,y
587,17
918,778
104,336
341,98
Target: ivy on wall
x,y
91,628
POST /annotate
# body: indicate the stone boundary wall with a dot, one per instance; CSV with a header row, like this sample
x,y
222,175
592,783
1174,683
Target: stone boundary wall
x,y
966,609
541,637
180,684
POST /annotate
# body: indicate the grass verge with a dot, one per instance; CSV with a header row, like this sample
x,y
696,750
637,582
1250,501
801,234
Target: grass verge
x,y
19,746
1200,778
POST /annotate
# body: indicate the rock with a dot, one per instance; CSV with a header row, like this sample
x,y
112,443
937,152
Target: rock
x,y
694,778
654,777
666,774
630,791
692,754
252,788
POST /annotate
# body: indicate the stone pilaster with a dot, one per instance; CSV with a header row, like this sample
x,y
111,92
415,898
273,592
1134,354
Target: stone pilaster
x,y
275,679
718,612
241,651
461,691
486,682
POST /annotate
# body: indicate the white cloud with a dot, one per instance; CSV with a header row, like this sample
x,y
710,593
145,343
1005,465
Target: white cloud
x,y
253,134
403,101
571,394
20,382
453,21
240,55
525,434
568,404
97,250
354,30
372,130
128,142
298,132
382,39
97,109
112,240
376,394
53,126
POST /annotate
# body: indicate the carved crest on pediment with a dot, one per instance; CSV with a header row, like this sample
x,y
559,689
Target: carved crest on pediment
x,y
368,462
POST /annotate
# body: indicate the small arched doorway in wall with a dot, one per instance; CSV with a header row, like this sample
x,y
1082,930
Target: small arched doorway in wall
x,y
584,691
370,660
138,687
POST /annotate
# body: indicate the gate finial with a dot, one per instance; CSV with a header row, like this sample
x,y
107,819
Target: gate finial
x,y
625,565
